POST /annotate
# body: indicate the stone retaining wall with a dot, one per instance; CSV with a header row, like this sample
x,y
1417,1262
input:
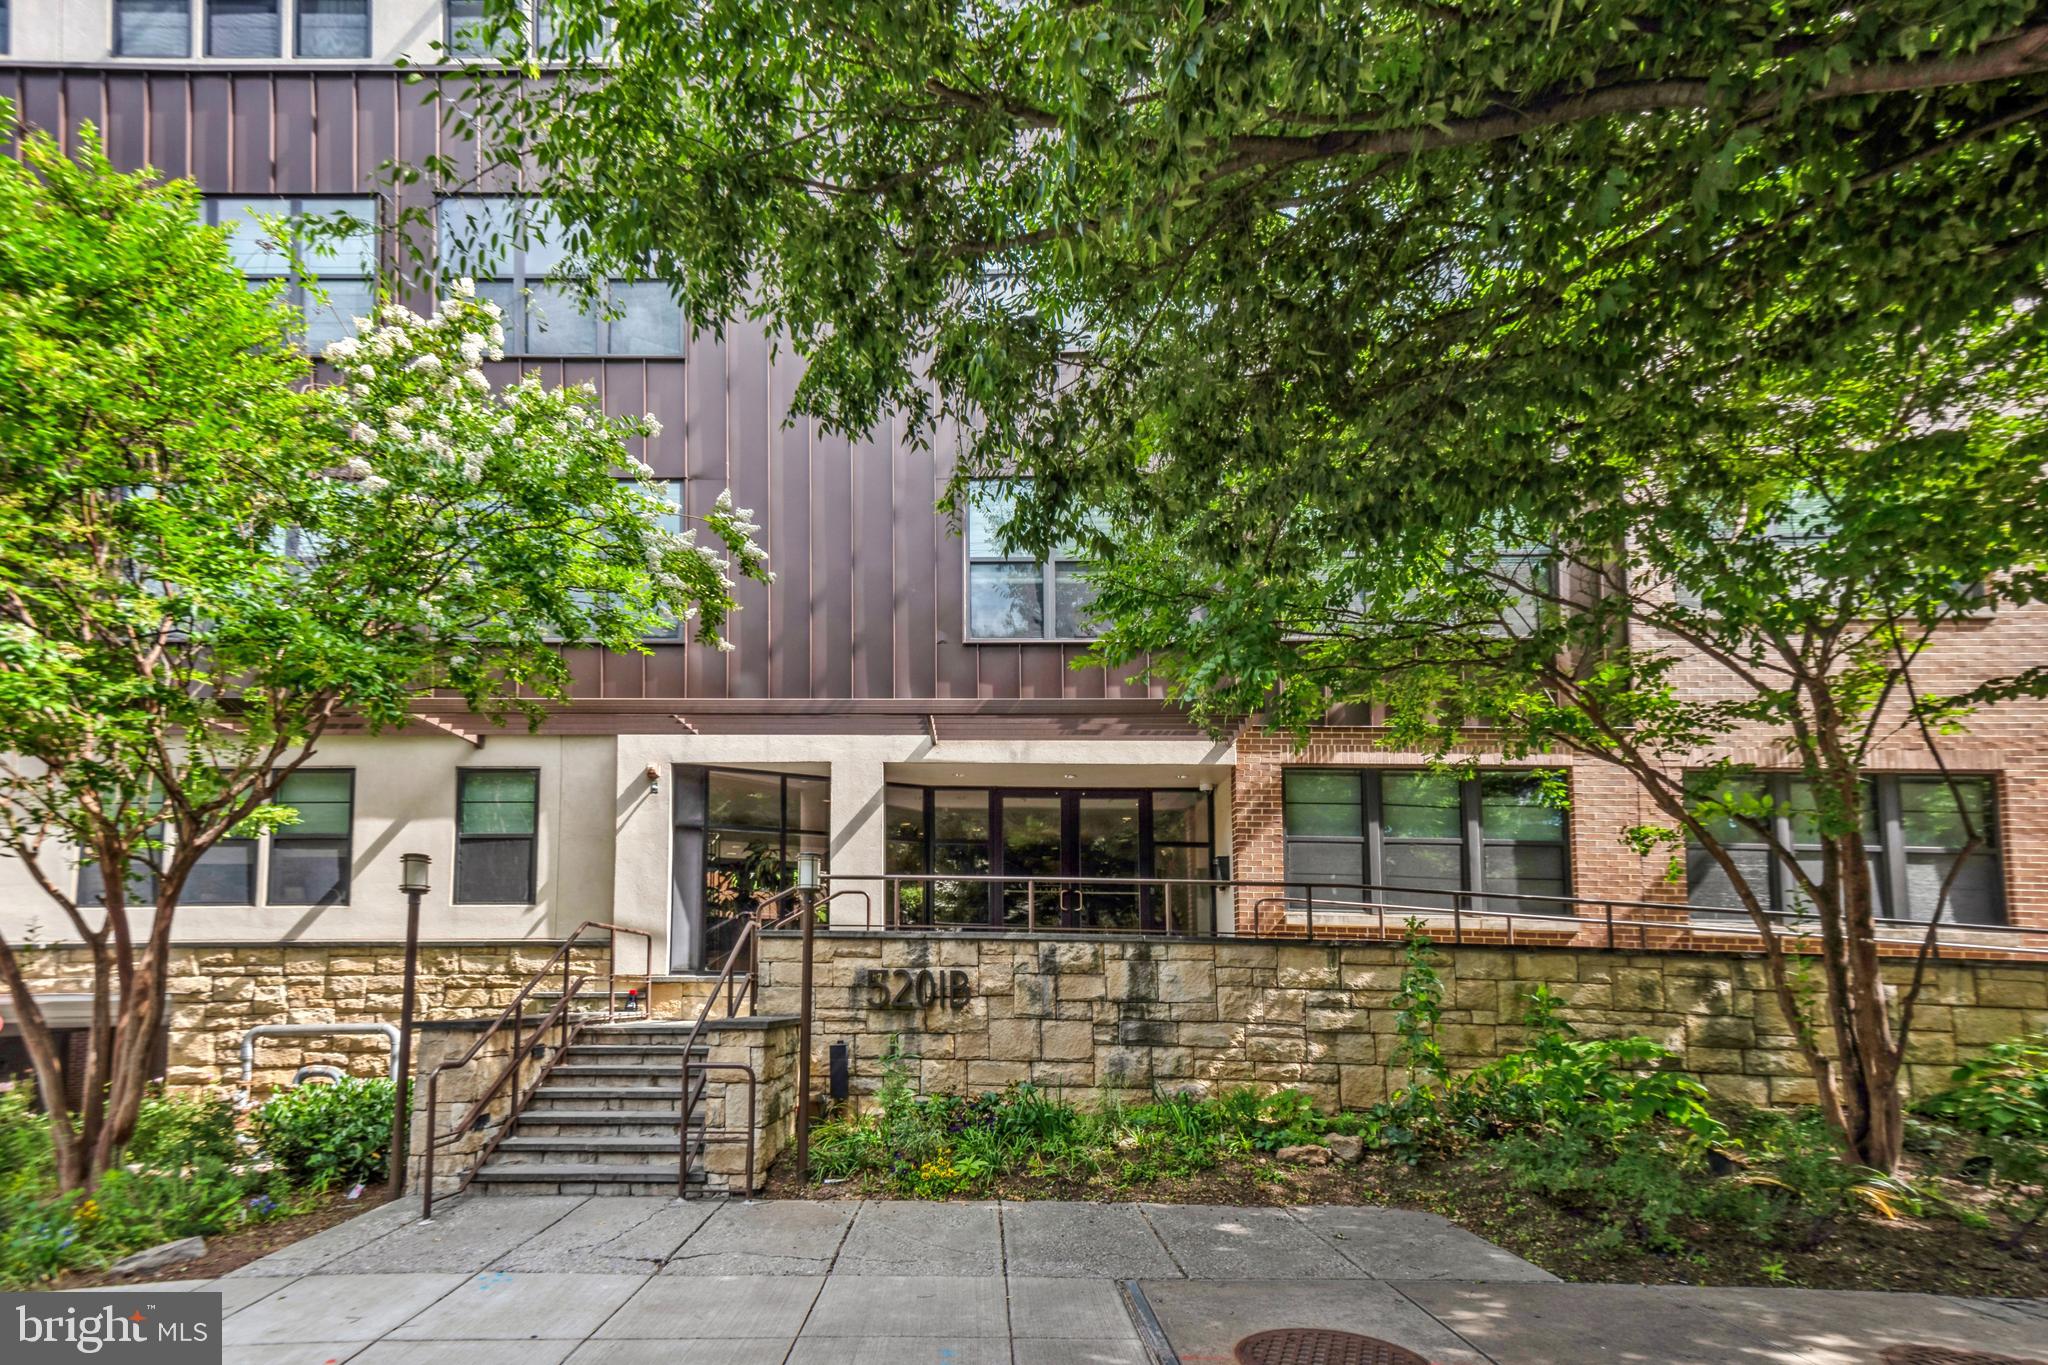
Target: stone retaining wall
x,y
1083,1014
219,991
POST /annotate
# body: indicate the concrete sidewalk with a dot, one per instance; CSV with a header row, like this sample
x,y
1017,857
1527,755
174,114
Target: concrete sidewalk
x,y
541,1281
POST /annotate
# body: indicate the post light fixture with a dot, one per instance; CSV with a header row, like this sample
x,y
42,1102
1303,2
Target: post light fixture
x,y
807,869
413,883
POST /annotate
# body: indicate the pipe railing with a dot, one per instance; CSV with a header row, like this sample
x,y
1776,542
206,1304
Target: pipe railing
x,y
1145,908
561,1017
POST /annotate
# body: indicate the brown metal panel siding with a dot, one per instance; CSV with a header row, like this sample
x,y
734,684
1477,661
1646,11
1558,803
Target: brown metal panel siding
x,y
869,598
829,547
42,102
786,524
704,454
212,138
252,122
334,133
874,648
750,461
170,124
296,170
128,122
85,101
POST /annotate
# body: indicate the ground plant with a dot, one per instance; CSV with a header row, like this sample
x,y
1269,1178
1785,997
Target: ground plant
x,y
182,1174
327,1135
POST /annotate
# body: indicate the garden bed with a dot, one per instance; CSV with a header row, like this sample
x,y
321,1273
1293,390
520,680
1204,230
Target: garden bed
x,y
237,1249
1934,1255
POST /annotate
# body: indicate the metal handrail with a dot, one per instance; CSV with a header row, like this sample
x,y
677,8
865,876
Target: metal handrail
x,y
1378,899
472,1118
514,1014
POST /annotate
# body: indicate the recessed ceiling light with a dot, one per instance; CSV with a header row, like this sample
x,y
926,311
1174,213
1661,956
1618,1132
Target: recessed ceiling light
x,y
1070,777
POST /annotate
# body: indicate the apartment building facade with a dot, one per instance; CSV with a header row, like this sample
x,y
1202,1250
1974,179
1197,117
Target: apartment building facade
x,y
903,699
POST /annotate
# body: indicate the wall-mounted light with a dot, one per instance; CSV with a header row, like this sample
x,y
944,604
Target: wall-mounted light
x,y
807,868
412,872
653,780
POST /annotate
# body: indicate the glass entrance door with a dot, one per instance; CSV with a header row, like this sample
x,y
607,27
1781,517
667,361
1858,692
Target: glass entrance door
x,y
1055,837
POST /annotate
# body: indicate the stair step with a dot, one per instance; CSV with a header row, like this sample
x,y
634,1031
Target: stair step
x,y
580,1048
649,1172
517,1143
671,1116
650,1070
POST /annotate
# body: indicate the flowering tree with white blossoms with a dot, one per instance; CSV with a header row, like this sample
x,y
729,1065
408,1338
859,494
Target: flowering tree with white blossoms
x,y
206,562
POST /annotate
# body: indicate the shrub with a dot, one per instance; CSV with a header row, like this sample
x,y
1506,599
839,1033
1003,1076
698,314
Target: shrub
x,y
2000,1102
173,1133
324,1135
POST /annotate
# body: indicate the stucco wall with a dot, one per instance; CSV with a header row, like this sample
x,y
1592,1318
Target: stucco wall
x,y
1081,1015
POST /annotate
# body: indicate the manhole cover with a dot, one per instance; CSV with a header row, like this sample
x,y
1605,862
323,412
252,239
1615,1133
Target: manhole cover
x,y
1948,1355
1319,1346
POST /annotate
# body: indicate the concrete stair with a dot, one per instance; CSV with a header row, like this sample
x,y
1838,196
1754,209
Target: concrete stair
x,y
606,1120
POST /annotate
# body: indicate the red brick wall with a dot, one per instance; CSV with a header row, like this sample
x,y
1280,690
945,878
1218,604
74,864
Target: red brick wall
x,y
2008,741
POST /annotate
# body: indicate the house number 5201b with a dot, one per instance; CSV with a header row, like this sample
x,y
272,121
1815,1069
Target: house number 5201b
x,y
902,988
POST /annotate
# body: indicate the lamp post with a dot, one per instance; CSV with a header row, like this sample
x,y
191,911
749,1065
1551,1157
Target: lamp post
x,y
807,868
412,880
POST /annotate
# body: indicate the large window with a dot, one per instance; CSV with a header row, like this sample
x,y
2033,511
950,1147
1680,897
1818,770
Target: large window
x,y
1429,834
333,28
738,833
1914,829
670,491
1064,847
1011,596
308,863
345,268
152,28
518,267
496,819
243,28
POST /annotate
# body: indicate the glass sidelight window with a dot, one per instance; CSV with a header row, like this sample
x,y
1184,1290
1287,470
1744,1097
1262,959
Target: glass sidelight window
x,y
1914,830
1429,834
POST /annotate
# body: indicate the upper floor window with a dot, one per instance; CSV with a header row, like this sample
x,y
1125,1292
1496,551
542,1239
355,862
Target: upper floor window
x,y
6,27
519,267
1914,829
333,28
1428,834
470,31
345,269
152,28
1010,595
243,28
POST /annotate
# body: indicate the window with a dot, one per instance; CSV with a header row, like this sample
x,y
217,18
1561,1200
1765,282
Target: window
x,y
1533,573
496,816
6,27
1429,834
1011,596
92,881
469,30
224,875
345,269
1913,830
543,317
671,491
309,861
333,28
243,28
152,28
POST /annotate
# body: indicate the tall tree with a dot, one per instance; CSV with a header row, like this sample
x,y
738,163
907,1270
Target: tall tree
x,y
1338,308
207,560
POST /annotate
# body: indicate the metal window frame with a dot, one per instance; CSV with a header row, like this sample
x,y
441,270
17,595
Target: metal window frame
x,y
348,854
206,33
1048,577
114,36
1472,839
462,776
295,284
369,36
514,274
1892,853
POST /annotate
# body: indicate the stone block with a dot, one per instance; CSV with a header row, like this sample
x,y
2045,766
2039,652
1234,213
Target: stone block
x,y
1980,1026
1185,982
2029,993
1013,1040
1361,1086
1484,964
1068,1042
1307,967
1737,1089
1637,988
1371,977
